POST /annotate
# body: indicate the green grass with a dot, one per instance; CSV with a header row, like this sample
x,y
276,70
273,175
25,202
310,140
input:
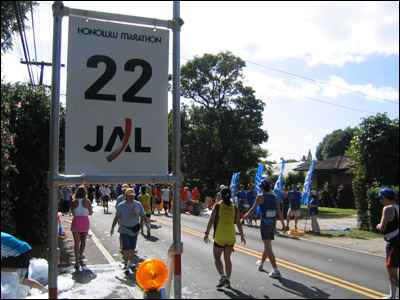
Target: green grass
x,y
354,233
330,212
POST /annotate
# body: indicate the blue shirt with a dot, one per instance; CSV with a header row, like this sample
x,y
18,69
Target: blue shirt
x,y
251,197
11,246
314,210
268,209
241,195
295,198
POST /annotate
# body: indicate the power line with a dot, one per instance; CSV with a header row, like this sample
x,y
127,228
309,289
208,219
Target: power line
x,y
325,102
322,82
20,19
33,31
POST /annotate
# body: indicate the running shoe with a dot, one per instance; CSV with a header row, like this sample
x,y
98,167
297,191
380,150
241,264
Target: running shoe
x,y
223,281
260,265
77,265
126,266
275,274
132,264
227,283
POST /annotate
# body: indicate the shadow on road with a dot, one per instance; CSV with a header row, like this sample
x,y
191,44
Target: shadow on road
x,y
83,276
301,290
235,294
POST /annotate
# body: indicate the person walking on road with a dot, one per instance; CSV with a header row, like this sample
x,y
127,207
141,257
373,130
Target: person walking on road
x,y
389,225
81,208
269,208
128,213
144,199
224,216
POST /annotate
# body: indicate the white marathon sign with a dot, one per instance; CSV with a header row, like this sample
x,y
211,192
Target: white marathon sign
x,y
117,102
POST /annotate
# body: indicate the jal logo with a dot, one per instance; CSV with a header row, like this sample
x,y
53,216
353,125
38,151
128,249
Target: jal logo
x,y
123,135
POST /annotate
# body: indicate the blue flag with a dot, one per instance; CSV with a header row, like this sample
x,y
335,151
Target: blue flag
x,y
233,186
258,182
307,185
258,178
278,188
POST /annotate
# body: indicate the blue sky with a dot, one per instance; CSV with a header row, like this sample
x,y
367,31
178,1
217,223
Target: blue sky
x,y
300,56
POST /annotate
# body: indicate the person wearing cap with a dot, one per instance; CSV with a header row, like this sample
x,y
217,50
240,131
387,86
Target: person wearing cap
x,y
294,197
269,209
313,205
128,214
389,225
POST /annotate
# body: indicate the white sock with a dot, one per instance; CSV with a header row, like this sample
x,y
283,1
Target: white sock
x,y
392,291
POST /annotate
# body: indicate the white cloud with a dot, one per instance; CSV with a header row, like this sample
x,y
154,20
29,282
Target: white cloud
x,y
331,33
332,91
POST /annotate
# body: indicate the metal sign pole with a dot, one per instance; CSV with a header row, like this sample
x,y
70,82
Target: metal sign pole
x,y
53,251
176,137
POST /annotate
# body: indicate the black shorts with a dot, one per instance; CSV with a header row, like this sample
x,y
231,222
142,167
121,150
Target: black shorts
x,y
392,253
267,232
219,246
16,262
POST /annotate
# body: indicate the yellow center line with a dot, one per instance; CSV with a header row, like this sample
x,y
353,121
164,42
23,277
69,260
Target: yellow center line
x,y
306,271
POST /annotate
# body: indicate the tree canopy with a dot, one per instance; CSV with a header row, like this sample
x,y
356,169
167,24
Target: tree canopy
x,y
221,130
13,17
335,143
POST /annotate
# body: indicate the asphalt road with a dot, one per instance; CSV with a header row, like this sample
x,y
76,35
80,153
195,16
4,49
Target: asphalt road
x,y
309,270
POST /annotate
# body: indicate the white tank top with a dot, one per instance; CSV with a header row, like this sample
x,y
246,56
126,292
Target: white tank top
x,y
80,211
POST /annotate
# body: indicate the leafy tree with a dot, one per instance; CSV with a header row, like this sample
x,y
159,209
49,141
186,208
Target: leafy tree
x,y
376,147
335,143
27,119
221,130
10,22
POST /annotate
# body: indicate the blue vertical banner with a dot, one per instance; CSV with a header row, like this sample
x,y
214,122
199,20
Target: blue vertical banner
x,y
233,186
258,178
307,185
278,188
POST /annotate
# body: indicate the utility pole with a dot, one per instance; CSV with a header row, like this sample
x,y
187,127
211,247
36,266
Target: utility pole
x,y
42,64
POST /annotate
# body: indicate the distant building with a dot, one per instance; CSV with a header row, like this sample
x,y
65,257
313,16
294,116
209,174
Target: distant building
x,y
338,170
289,168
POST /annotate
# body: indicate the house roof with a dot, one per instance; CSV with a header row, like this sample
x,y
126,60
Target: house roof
x,y
342,163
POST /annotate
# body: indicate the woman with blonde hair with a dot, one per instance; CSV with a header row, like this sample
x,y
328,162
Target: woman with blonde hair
x,y
81,208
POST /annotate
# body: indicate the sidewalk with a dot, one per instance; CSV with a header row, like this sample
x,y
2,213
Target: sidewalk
x,y
375,246
95,280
